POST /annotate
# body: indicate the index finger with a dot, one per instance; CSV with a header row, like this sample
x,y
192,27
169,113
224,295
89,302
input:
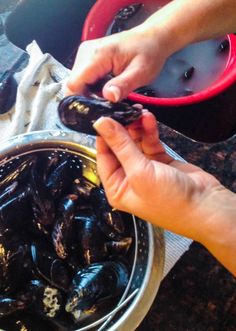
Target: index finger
x,y
121,144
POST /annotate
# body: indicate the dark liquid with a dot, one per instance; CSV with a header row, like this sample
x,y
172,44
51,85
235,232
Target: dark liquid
x,y
187,71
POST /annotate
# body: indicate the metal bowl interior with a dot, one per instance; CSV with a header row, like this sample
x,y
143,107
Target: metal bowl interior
x,y
148,249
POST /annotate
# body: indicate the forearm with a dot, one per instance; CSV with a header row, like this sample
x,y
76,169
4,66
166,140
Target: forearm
x,y
219,227
181,22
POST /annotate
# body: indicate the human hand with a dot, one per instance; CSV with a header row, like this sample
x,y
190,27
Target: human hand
x,y
130,56
139,177
136,56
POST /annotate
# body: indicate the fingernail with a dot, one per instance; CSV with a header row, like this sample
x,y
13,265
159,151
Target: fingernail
x,y
115,91
104,127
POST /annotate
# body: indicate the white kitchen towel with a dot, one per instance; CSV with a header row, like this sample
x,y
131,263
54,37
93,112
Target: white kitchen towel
x,y
39,92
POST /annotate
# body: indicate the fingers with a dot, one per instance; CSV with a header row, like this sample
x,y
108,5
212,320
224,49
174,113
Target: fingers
x,y
106,158
134,75
146,136
151,145
121,144
96,59
90,65
135,129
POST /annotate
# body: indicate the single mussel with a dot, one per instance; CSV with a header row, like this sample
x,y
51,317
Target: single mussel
x,y
16,170
49,267
61,178
110,221
224,46
43,205
79,113
90,239
62,233
123,16
148,91
95,284
127,12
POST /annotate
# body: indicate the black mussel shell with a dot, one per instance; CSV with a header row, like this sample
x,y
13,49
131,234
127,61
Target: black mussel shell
x,y
147,91
224,46
127,12
79,113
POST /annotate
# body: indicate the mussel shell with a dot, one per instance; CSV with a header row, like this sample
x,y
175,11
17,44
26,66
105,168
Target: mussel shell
x,y
91,241
110,221
127,12
79,113
62,234
49,266
147,91
61,178
17,170
96,283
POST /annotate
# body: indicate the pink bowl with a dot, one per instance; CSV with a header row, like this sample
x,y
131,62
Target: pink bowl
x,y
101,16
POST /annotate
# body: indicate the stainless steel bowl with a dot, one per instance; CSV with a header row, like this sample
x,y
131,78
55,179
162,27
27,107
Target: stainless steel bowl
x,y
149,248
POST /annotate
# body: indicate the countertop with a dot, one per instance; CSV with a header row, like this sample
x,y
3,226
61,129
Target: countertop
x,y
199,293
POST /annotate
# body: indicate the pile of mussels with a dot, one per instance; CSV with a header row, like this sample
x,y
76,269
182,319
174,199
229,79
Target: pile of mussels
x,y
65,254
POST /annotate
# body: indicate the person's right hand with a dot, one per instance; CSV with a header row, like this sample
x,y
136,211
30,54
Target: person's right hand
x,y
134,57
140,178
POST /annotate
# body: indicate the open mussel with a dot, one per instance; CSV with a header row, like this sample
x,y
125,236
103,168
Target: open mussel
x,y
79,113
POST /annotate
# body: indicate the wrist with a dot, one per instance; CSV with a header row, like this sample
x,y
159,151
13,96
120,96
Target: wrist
x,y
170,28
219,227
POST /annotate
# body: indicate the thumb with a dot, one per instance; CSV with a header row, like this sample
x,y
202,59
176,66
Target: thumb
x,y
134,75
121,144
